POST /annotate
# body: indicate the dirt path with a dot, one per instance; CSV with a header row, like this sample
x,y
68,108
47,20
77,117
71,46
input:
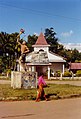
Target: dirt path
x,y
5,81
56,109
77,83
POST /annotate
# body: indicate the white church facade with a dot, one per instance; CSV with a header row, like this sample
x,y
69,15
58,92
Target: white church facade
x,y
41,60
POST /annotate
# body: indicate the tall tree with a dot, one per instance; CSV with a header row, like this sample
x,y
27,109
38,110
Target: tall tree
x,y
51,39
31,41
75,55
7,48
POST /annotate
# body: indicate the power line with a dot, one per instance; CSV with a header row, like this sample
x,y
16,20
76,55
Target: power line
x,y
38,11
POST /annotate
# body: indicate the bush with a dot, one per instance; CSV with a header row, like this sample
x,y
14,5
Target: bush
x,y
78,73
57,73
67,74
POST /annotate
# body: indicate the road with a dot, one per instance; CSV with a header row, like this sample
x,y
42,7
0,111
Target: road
x,y
5,81
55,109
77,83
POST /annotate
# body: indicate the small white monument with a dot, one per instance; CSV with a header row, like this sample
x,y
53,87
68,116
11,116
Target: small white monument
x,y
24,80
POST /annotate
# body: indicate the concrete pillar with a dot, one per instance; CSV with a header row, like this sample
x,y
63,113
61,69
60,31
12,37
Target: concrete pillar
x,y
21,68
18,67
48,72
33,68
63,68
16,79
61,77
30,69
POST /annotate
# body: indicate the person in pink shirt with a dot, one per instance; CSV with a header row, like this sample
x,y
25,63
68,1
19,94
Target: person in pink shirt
x,y
41,80
40,91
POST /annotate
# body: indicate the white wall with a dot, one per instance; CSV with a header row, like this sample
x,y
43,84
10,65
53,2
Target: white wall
x,y
36,49
57,66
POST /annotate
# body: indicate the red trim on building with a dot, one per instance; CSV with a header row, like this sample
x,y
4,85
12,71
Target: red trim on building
x,y
75,66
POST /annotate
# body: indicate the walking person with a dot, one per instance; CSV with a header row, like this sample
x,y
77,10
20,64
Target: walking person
x,y
40,90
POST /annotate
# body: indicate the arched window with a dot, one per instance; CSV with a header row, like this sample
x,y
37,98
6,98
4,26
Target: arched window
x,y
41,50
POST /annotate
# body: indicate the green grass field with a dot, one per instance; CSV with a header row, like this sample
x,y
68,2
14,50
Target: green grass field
x,y
53,91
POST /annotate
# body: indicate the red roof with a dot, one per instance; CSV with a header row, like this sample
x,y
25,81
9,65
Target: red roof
x,y
41,40
75,66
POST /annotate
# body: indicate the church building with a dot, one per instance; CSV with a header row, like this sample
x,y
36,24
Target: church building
x,y
41,60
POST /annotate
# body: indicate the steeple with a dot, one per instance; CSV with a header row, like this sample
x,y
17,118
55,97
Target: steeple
x,y
41,41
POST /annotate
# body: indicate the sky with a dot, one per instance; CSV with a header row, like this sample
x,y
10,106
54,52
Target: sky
x,y
35,16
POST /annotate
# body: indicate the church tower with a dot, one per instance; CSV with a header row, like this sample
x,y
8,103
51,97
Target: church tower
x,y
41,44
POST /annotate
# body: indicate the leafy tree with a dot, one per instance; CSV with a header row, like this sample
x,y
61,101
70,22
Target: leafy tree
x,y
7,46
51,39
75,55
31,41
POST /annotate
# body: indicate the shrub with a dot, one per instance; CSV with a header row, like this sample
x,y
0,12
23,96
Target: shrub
x,y
78,73
57,73
67,74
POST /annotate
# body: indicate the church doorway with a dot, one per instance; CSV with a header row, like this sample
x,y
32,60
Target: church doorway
x,y
39,69
42,69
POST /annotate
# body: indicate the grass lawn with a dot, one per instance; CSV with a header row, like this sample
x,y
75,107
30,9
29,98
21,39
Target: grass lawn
x,y
53,91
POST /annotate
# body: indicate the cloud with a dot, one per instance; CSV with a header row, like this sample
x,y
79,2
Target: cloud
x,y
36,34
73,46
67,34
